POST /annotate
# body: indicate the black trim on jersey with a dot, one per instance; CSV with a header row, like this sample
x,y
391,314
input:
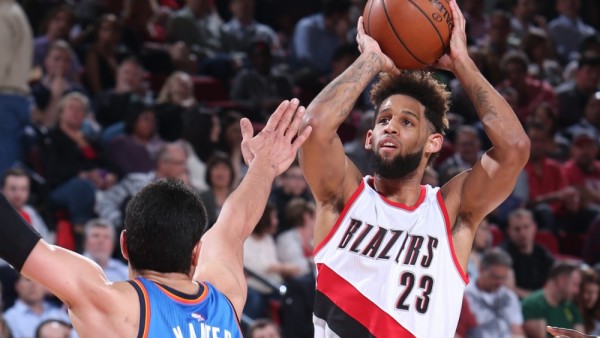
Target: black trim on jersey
x,y
183,295
337,320
142,307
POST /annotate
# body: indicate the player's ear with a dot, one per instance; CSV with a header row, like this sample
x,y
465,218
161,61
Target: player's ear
x,y
123,244
196,255
434,143
368,140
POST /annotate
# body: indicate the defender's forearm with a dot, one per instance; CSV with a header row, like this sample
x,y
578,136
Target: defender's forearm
x,y
499,120
333,104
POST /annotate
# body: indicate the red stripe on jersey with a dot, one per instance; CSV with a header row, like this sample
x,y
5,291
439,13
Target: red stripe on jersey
x,y
357,306
353,198
461,272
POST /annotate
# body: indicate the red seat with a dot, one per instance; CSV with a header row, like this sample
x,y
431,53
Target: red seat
x,y
208,88
548,240
497,235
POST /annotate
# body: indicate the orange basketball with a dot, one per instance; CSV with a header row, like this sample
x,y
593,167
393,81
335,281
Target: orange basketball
x,y
413,33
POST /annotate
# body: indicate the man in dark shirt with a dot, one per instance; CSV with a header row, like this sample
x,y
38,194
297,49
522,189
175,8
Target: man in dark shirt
x,y
531,261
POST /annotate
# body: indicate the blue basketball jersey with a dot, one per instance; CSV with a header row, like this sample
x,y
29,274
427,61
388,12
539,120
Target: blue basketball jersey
x,y
166,312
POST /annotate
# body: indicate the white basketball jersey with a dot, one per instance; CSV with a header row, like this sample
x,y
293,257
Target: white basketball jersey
x,y
389,270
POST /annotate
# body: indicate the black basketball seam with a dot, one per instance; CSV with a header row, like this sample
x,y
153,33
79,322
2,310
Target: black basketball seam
x,y
431,22
368,28
397,36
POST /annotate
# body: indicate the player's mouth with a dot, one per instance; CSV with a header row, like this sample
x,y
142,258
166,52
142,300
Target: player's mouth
x,y
388,143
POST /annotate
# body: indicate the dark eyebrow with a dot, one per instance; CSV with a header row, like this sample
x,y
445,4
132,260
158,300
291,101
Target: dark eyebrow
x,y
408,112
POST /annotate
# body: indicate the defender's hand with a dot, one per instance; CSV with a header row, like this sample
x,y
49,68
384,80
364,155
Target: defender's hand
x,y
276,145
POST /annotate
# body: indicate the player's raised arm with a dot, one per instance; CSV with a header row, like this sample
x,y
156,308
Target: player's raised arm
x,y
268,154
331,176
76,280
474,194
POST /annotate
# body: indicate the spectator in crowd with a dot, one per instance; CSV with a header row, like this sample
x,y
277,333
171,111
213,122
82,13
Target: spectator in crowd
x,y
587,301
16,186
136,150
496,45
74,165
104,56
200,27
552,305
591,249
568,30
590,120
175,99
111,106
582,171
242,30
525,18
574,94
99,244
548,189
259,87
295,246
53,328
220,177
170,163
589,46
30,309
15,102
54,84
531,262
58,23
482,243
263,328
291,184
355,149
467,145
537,46
496,307
317,36
532,92
477,20
260,257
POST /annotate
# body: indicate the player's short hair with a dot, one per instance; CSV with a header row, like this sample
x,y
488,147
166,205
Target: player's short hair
x,y
163,224
423,87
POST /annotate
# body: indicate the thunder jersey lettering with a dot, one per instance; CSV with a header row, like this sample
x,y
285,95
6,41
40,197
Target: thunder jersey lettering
x,y
388,270
168,313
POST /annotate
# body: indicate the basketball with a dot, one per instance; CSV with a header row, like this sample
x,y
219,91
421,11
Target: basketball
x,y
413,33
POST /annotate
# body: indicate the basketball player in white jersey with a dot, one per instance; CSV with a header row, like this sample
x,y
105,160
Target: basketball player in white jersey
x,y
391,254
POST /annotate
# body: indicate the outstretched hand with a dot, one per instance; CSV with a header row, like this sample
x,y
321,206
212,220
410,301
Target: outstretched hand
x,y
565,333
367,44
276,145
458,40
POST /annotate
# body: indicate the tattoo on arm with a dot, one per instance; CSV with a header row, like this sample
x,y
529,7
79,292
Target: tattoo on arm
x,y
483,102
352,77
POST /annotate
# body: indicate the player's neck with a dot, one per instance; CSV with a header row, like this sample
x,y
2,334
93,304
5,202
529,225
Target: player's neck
x,y
405,191
178,281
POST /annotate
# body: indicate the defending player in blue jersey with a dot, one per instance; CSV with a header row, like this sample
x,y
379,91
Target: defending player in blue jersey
x,y
181,286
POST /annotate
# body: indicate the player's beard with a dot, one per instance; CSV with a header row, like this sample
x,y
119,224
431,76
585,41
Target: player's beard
x,y
398,167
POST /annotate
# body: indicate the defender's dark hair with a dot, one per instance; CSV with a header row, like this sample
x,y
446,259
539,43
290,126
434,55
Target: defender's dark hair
x,y
423,87
164,222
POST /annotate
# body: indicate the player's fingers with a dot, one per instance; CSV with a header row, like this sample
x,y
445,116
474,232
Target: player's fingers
x,y
247,130
301,138
292,130
288,116
458,18
273,121
360,25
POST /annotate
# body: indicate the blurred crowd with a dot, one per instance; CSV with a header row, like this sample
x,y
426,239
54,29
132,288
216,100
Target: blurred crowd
x,y
98,98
